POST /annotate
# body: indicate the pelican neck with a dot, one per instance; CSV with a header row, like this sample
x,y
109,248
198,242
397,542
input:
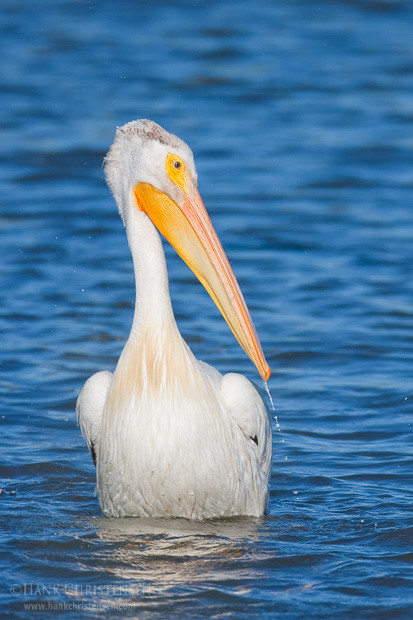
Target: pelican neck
x,y
153,302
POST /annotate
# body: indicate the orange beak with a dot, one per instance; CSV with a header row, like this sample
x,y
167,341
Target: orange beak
x,y
189,230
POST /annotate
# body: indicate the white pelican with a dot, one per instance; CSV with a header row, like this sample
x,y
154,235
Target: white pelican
x,y
169,435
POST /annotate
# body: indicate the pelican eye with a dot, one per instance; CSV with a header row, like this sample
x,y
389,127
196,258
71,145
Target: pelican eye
x,y
175,168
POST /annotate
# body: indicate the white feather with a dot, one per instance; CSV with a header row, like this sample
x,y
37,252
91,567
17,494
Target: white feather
x,y
89,407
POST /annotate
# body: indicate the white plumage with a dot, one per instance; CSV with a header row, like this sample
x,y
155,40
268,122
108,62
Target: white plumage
x,y
171,436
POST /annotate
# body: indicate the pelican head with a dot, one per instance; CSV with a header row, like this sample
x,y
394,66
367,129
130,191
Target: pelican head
x,y
153,171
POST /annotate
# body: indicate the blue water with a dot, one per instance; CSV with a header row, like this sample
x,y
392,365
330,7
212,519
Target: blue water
x,y
300,117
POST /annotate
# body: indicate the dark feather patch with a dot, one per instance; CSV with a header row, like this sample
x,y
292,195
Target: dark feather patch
x,y
93,453
150,131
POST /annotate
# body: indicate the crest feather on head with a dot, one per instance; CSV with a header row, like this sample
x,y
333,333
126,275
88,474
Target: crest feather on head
x,y
135,156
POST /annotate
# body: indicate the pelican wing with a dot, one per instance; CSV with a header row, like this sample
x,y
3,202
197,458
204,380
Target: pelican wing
x,y
245,405
89,408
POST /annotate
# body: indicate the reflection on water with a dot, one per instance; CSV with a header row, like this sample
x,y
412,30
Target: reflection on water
x,y
233,529
165,554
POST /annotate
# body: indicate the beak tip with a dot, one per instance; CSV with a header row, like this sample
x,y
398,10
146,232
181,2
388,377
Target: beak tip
x,y
265,373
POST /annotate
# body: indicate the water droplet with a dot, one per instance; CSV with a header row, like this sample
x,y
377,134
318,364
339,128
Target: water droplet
x,y
267,389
